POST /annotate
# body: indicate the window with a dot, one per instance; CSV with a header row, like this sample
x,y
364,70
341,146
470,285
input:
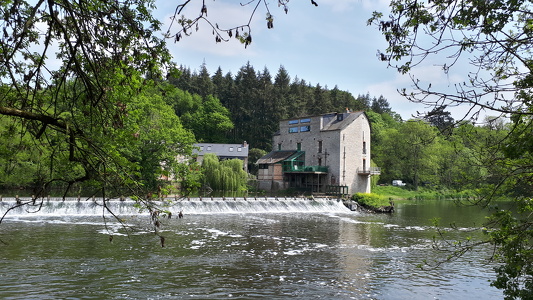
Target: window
x,y
230,149
263,166
298,146
239,149
293,129
292,122
364,147
305,120
340,117
305,128
319,161
208,148
201,148
279,146
319,146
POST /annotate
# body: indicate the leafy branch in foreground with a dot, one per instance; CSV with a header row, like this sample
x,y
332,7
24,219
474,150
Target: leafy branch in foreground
x,y
68,69
243,32
495,39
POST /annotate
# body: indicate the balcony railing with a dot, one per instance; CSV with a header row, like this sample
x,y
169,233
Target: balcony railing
x,y
308,169
369,171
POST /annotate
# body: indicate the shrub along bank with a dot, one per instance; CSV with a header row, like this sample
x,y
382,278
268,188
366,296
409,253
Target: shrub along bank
x,y
383,197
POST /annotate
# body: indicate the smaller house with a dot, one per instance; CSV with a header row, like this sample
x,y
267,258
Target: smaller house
x,y
223,151
271,169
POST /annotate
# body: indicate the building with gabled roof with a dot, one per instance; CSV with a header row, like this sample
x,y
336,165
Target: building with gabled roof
x,y
329,153
223,151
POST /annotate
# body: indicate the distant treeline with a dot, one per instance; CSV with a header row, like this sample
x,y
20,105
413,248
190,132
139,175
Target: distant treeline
x,y
256,101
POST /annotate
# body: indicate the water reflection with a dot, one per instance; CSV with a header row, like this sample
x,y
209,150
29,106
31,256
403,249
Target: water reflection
x,y
329,255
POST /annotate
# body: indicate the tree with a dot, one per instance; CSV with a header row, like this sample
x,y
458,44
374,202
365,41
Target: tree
x,y
282,82
244,107
68,70
202,84
158,138
22,164
380,105
408,152
226,175
253,155
205,116
320,102
495,39
264,119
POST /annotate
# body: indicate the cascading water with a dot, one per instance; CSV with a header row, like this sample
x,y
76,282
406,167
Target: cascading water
x,y
75,207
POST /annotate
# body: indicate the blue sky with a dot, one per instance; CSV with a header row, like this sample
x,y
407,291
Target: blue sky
x,y
329,44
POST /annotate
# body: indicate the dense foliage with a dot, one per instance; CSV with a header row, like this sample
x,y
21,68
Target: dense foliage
x,y
256,101
71,71
225,175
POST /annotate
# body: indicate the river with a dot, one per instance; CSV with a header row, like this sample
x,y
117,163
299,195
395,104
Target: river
x,y
236,249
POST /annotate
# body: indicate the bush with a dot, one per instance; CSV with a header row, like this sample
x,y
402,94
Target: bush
x,y
371,200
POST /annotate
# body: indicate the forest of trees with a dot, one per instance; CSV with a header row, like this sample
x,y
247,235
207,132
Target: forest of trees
x,y
196,106
435,151
257,101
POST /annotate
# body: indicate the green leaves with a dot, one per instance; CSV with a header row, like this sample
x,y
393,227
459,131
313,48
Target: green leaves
x,y
74,97
512,234
226,175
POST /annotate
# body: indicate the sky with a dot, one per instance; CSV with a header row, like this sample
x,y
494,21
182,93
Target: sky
x,y
330,45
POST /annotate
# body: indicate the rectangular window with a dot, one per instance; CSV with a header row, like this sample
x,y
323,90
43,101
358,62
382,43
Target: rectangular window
x,y
293,129
208,148
319,146
305,128
292,122
230,149
305,121
201,148
298,146
239,149
263,166
364,147
319,161
279,146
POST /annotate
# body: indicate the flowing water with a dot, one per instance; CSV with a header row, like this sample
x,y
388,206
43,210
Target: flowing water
x,y
237,249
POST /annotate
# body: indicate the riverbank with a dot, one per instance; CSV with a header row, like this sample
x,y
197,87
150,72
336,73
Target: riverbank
x,y
401,193
382,198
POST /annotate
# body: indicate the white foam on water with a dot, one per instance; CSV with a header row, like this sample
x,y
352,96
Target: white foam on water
x,y
73,207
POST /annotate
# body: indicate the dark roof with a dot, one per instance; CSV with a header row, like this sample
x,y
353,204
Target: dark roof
x,y
347,119
276,156
221,150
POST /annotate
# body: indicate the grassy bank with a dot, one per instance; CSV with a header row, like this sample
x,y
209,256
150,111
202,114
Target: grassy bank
x,y
382,195
400,193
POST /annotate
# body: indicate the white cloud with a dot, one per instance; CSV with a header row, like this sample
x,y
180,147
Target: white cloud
x,y
348,5
327,45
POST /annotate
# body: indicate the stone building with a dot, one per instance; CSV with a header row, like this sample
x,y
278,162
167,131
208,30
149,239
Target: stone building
x,y
320,154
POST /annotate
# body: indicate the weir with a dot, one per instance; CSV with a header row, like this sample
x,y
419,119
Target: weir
x,y
95,207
